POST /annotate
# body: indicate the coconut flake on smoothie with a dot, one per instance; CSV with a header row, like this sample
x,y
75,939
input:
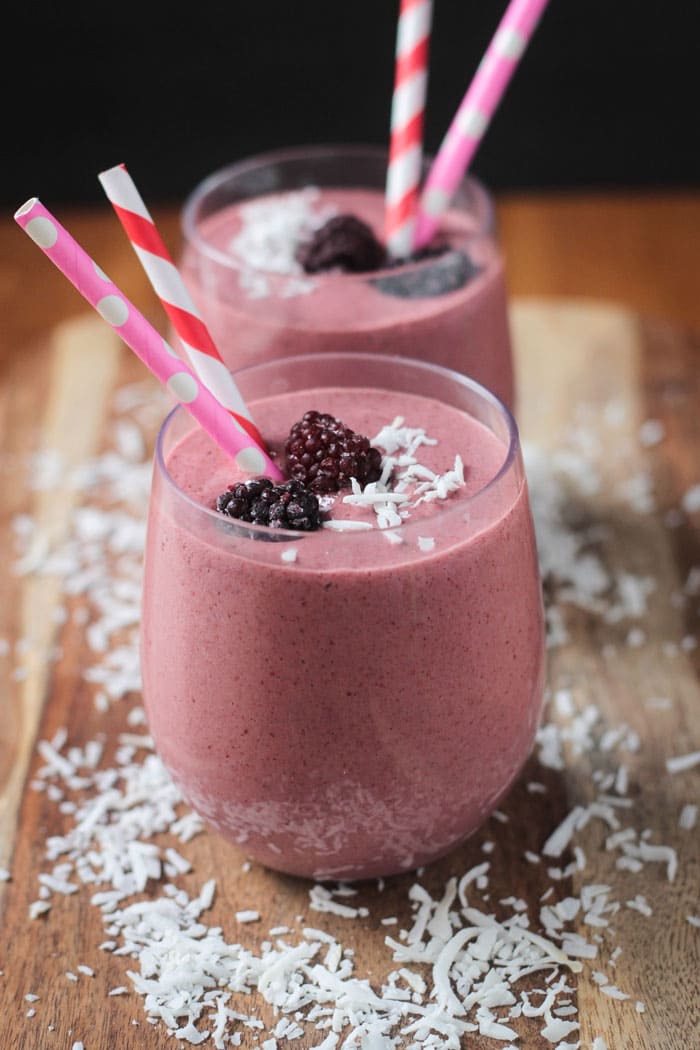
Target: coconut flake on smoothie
x,y
338,478
336,231
270,666
268,263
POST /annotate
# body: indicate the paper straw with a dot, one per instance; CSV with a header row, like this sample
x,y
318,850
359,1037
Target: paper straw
x,y
469,125
168,285
407,112
74,262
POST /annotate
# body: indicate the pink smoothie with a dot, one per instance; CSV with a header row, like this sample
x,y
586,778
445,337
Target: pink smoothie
x,y
259,304
339,704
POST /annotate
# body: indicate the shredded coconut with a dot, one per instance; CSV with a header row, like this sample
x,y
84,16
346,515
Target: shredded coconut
x,y
681,763
273,227
691,500
404,483
248,915
463,964
651,432
688,816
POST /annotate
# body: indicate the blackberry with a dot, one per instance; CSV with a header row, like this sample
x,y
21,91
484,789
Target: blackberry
x,y
288,505
324,454
342,243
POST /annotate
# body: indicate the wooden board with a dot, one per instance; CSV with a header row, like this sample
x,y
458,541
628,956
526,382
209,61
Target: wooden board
x,y
583,365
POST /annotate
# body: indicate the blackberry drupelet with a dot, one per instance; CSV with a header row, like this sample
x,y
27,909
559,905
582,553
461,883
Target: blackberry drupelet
x,y
342,243
324,454
288,505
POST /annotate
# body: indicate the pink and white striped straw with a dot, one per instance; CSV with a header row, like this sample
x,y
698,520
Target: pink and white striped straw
x,y
168,285
469,125
74,262
407,112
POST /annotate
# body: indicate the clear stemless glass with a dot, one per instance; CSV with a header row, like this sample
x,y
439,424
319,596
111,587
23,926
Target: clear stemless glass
x,y
339,705
449,309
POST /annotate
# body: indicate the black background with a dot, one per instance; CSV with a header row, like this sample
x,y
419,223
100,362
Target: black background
x,y
605,96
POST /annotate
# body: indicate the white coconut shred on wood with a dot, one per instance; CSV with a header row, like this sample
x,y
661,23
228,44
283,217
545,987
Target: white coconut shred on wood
x,y
463,964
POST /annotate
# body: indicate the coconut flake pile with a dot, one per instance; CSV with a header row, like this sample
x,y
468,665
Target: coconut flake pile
x,y
270,233
404,482
467,961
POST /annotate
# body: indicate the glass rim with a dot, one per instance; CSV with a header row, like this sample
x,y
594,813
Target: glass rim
x,y
213,181
248,530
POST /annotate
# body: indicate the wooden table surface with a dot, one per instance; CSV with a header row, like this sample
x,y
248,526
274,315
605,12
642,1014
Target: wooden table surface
x,y
605,313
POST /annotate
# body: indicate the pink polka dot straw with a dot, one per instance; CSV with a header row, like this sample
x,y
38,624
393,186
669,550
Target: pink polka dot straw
x,y
406,139
138,334
199,347
474,114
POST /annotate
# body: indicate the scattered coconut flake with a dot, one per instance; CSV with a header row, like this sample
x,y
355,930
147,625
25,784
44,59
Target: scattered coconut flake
x,y
688,816
640,904
651,432
101,701
613,992
562,835
558,1029
681,763
247,915
321,898
690,500
37,908
346,525
311,981
178,862
136,740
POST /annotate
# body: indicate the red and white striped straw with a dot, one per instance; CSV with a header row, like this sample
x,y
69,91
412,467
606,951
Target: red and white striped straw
x,y
475,112
168,285
407,113
113,306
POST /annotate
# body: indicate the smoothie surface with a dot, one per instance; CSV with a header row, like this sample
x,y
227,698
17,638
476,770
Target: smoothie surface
x,y
264,232
260,305
338,705
203,471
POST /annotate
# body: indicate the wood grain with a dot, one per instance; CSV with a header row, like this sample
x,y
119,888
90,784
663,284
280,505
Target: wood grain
x,y
73,425
638,249
568,353
592,252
